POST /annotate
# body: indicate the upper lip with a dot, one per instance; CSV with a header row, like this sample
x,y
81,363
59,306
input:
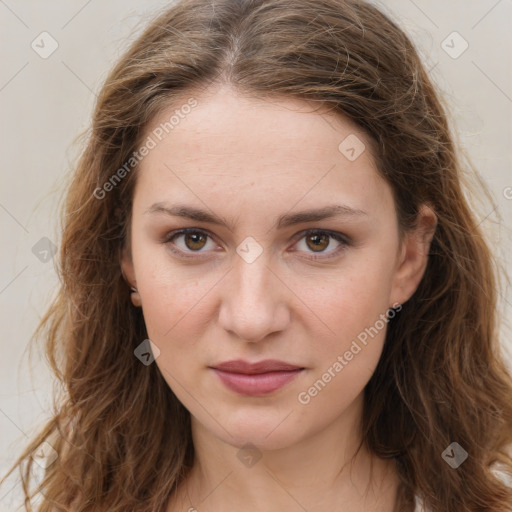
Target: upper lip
x,y
268,365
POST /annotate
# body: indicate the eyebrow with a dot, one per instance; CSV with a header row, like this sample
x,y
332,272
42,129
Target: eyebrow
x,y
283,221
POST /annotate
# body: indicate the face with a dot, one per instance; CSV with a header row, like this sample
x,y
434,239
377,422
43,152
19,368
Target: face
x,y
296,258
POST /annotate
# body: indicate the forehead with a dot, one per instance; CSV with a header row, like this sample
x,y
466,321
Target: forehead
x,y
242,150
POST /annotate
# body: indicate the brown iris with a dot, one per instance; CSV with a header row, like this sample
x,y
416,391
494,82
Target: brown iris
x,y
320,242
198,241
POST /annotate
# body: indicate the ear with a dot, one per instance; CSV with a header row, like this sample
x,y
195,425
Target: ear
x,y
413,256
128,271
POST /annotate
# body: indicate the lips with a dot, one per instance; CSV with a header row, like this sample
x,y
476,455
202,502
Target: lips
x,y
257,378
266,366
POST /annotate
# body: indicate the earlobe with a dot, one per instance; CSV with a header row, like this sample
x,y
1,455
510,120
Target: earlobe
x,y
413,259
135,297
128,272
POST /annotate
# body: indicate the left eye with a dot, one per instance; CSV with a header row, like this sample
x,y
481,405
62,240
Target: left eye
x,y
319,240
195,240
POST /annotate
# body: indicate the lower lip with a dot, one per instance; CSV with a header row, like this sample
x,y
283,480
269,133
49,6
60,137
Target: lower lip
x,y
256,384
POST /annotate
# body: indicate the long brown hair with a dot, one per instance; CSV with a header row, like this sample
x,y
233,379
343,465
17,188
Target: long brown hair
x,y
122,437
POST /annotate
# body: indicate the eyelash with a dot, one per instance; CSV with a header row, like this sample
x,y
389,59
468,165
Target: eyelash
x,y
342,239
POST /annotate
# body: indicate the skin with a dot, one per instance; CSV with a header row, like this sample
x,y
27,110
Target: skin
x,y
249,161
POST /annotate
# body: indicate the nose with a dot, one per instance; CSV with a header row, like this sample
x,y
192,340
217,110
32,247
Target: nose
x,y
254,301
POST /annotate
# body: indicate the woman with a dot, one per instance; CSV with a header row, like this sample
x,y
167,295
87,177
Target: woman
x,y
275,295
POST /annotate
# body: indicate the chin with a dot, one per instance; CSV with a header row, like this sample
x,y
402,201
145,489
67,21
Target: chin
x,y
266,432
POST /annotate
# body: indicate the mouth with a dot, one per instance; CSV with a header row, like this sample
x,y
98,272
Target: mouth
x,y
258,378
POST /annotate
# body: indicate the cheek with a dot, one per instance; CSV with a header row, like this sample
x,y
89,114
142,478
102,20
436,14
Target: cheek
x,y
351,301
354,306
173,297
175,319
346,359
173,309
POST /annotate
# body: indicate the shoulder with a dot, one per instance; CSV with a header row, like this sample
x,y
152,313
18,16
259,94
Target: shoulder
x,y
419,505
503,475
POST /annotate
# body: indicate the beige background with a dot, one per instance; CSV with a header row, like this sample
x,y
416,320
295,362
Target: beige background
x,y
46,102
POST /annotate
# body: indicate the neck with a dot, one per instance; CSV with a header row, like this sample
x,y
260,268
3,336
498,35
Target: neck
x,y
321,471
